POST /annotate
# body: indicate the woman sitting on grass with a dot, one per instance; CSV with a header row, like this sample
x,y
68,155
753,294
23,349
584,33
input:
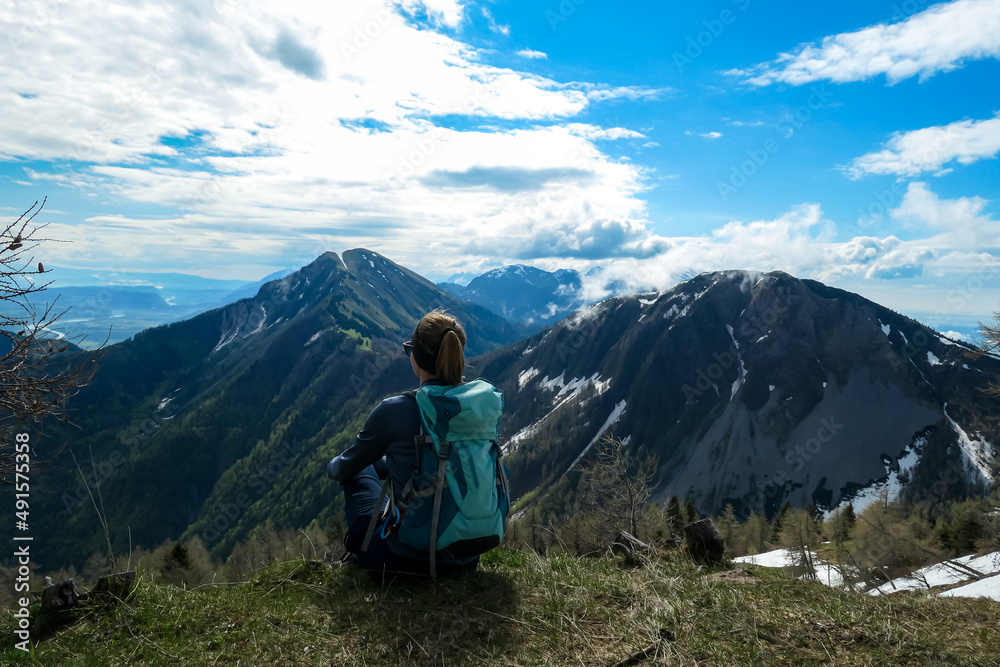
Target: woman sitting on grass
x,y
424,461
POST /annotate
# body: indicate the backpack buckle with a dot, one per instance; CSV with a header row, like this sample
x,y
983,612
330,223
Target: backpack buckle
x,y
444,451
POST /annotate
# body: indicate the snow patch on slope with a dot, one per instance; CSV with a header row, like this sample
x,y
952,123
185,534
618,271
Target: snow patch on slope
x,y
984,588
983,571
738,382
260,325
976,453
315,336
892,485
573,387
612,418
945,573
223,341
525,376
676,312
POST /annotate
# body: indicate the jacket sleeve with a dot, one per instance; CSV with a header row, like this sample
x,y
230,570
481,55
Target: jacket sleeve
x,y
369,446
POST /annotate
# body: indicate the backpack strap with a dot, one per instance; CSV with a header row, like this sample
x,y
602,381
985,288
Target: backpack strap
x,y
377,512
502,480
436,515
420,439
382,510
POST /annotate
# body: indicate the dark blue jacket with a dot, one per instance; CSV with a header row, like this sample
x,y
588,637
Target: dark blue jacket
x,y
389,431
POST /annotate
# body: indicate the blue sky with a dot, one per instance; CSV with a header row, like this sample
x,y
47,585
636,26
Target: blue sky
x,y
853,143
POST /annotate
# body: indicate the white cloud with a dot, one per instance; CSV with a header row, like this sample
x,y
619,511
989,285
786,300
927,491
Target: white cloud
x,y
594,132
103,85
296,127
929,149
584,237
531,53
939,39
602,93
280,150
712,135
494,26
443,12
947,268
960,224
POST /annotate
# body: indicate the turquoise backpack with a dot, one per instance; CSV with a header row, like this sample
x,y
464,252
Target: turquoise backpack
x,y
458,498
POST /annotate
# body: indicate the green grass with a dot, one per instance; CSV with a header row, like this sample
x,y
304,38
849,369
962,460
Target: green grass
x,y
364,342
828,550
521,609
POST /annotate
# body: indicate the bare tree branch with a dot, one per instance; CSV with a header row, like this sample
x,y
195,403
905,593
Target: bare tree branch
x,y
991,343
40,368
617,486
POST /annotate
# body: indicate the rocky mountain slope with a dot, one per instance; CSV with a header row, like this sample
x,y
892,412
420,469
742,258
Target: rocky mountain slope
x,y
752,390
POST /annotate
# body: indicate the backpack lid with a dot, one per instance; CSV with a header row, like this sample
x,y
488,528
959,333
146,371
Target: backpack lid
x,y
467,411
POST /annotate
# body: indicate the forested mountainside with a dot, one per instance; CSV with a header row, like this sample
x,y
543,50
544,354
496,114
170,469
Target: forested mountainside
x,y
221,423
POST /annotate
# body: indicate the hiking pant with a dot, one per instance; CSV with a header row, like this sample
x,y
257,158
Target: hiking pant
x,y
361,493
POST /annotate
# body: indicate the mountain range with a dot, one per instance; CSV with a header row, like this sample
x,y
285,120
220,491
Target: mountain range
x,y
113,306
750,389
524,294
222,422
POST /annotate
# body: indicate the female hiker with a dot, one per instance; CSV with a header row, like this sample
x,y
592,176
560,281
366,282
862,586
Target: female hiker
x,y
433,454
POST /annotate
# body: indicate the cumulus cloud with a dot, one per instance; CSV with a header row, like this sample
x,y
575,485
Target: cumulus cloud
x,y
939,39
603,93
930,149
296,56
443,12
595,133
494,26
310,125
589,240
534,55
949,239
503,178
960,223
106,86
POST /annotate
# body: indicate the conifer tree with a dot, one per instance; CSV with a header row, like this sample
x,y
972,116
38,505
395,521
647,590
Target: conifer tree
x,y
849,515
778,522
692,511
675,515
727,526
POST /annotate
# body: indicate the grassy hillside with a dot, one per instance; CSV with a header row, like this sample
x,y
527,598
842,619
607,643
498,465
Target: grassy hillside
x,y
522,609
